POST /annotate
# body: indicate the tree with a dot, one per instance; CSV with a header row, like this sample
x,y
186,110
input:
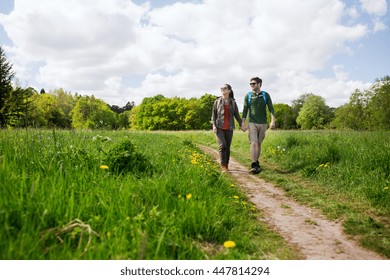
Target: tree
x,y
115,108
285,116
129,105
297,104
379,106
193,117
315,114
65,102
344,118
159,113
123,121
354,114
6,77
42,106
366,110
134,120
47,111
205,107
17,106
166,114
143,117
92,113
119,110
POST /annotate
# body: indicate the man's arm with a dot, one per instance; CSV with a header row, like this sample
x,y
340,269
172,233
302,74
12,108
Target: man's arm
x,y
272,125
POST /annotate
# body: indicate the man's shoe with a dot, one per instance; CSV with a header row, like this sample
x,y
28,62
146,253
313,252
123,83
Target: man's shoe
x,y
253,168
258,168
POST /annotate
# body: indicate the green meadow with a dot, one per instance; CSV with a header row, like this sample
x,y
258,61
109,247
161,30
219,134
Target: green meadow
x,y
155,195
122,195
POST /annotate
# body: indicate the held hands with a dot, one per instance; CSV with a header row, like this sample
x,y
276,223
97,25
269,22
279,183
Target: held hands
x,y
243,128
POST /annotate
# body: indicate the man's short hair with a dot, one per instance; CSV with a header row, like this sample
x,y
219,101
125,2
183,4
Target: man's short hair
x,y
258,80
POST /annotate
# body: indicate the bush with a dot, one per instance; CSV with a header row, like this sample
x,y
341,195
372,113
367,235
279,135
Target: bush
x,y
123,158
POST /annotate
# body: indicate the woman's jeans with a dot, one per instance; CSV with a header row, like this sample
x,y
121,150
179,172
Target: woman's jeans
x,y
224,138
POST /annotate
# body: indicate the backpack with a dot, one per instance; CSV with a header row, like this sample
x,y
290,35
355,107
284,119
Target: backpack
x,y
250,97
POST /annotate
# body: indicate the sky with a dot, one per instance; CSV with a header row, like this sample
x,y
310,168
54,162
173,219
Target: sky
x,y
126,50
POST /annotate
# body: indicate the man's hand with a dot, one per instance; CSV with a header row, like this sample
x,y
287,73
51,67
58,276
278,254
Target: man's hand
x,y
272,124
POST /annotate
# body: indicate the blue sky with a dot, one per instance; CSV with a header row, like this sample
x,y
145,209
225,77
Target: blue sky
x,y
371,53
123,50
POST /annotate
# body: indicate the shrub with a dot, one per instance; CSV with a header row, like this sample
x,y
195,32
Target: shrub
x,y
123,158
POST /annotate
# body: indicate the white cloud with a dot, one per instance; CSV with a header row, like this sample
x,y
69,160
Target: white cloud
x,y
353,12
379,26
336,90
185,49
374,7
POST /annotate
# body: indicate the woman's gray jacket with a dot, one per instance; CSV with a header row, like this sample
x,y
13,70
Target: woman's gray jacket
x,y
218,114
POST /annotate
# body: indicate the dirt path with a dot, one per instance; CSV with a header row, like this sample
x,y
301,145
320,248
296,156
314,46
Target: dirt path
x,y
316,237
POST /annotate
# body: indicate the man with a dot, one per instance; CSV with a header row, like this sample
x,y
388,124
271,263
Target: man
x,y
255,104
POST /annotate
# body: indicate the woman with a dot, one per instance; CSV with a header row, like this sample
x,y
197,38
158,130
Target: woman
x,y
223,114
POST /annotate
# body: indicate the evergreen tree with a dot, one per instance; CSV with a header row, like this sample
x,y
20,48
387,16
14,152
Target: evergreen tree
x,y
6,76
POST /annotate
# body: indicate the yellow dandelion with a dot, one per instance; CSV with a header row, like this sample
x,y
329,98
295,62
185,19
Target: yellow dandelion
x,y
103,167
236,197
229,244
188,196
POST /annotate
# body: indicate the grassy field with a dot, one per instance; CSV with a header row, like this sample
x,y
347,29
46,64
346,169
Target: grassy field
x,y
344,174
154,195
123,195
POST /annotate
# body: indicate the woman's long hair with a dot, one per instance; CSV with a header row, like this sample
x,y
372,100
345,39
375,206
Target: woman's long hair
x,y
231,93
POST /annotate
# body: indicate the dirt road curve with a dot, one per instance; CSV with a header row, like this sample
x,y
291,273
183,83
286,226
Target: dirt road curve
x,y
316,237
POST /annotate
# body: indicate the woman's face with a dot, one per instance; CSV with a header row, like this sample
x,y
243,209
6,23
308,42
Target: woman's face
x,y
225,90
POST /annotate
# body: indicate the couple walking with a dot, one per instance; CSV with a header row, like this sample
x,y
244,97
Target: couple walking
x,y
225,111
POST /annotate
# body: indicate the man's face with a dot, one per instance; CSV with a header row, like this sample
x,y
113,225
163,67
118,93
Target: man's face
x,y
254,85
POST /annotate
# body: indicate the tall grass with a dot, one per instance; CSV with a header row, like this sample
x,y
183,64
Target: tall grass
x,y
61,198
357,163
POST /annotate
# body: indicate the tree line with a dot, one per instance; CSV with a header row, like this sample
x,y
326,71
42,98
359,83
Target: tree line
x,y
25,107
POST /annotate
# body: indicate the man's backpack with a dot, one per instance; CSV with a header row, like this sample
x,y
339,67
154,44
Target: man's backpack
x,y
250,97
